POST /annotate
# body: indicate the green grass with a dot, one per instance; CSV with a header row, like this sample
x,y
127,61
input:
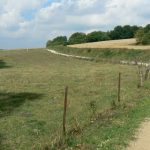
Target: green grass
x,y
32,93
108,54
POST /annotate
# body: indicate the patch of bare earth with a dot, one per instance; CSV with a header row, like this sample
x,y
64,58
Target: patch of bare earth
x,y
142,141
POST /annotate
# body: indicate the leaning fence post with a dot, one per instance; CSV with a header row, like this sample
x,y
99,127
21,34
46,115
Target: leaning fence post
x,y
65,110
119,87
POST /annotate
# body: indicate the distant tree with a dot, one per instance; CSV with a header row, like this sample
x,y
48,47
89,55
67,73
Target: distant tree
x,y
48,43
146,39
147,28
60,40
134,30
116,33
127,32
143,35
97,36
123,32
139,35
77,38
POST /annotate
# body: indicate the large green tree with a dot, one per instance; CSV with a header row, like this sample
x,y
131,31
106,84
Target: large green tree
x,y
143,35
146,38
97,36
48,43
123,32
147,28
116,33
60,40
139,35
77,38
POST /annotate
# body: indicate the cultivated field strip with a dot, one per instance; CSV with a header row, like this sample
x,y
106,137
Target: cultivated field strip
x,y
125,43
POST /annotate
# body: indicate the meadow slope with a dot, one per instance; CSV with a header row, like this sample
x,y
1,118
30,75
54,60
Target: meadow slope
x,y
31,101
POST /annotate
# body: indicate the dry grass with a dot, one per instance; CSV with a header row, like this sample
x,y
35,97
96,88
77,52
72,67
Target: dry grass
x,y
125,43
32,93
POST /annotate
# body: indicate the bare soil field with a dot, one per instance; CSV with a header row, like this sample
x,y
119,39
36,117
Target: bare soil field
x,y
125,43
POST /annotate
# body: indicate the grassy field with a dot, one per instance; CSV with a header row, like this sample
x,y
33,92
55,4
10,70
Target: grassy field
x,y
107,54
125,43
31,102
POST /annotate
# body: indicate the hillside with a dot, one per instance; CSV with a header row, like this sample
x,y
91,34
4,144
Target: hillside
x,y
125,43
32,95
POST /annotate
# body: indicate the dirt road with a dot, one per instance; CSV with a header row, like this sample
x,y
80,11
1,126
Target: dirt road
x,y
143,138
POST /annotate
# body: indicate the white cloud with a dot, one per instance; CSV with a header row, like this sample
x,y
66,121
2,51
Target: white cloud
x,y
21,5
68,16
84,4
12,24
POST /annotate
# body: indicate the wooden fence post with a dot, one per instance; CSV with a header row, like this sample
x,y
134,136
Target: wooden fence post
x,y
119,87
65,111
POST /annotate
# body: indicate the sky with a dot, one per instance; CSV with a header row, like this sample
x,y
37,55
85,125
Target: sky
x,y
30,23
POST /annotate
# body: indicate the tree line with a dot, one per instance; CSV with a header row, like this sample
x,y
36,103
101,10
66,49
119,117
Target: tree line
x,y
142,34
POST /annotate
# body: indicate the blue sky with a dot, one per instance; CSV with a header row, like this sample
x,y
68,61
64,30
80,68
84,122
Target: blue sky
x,y
30,23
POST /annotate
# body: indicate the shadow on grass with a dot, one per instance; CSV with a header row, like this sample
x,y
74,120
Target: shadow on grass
x,y
10,101
3,64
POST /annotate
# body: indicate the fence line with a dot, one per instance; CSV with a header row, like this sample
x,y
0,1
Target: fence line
x,y
99,115
119,86
65,111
